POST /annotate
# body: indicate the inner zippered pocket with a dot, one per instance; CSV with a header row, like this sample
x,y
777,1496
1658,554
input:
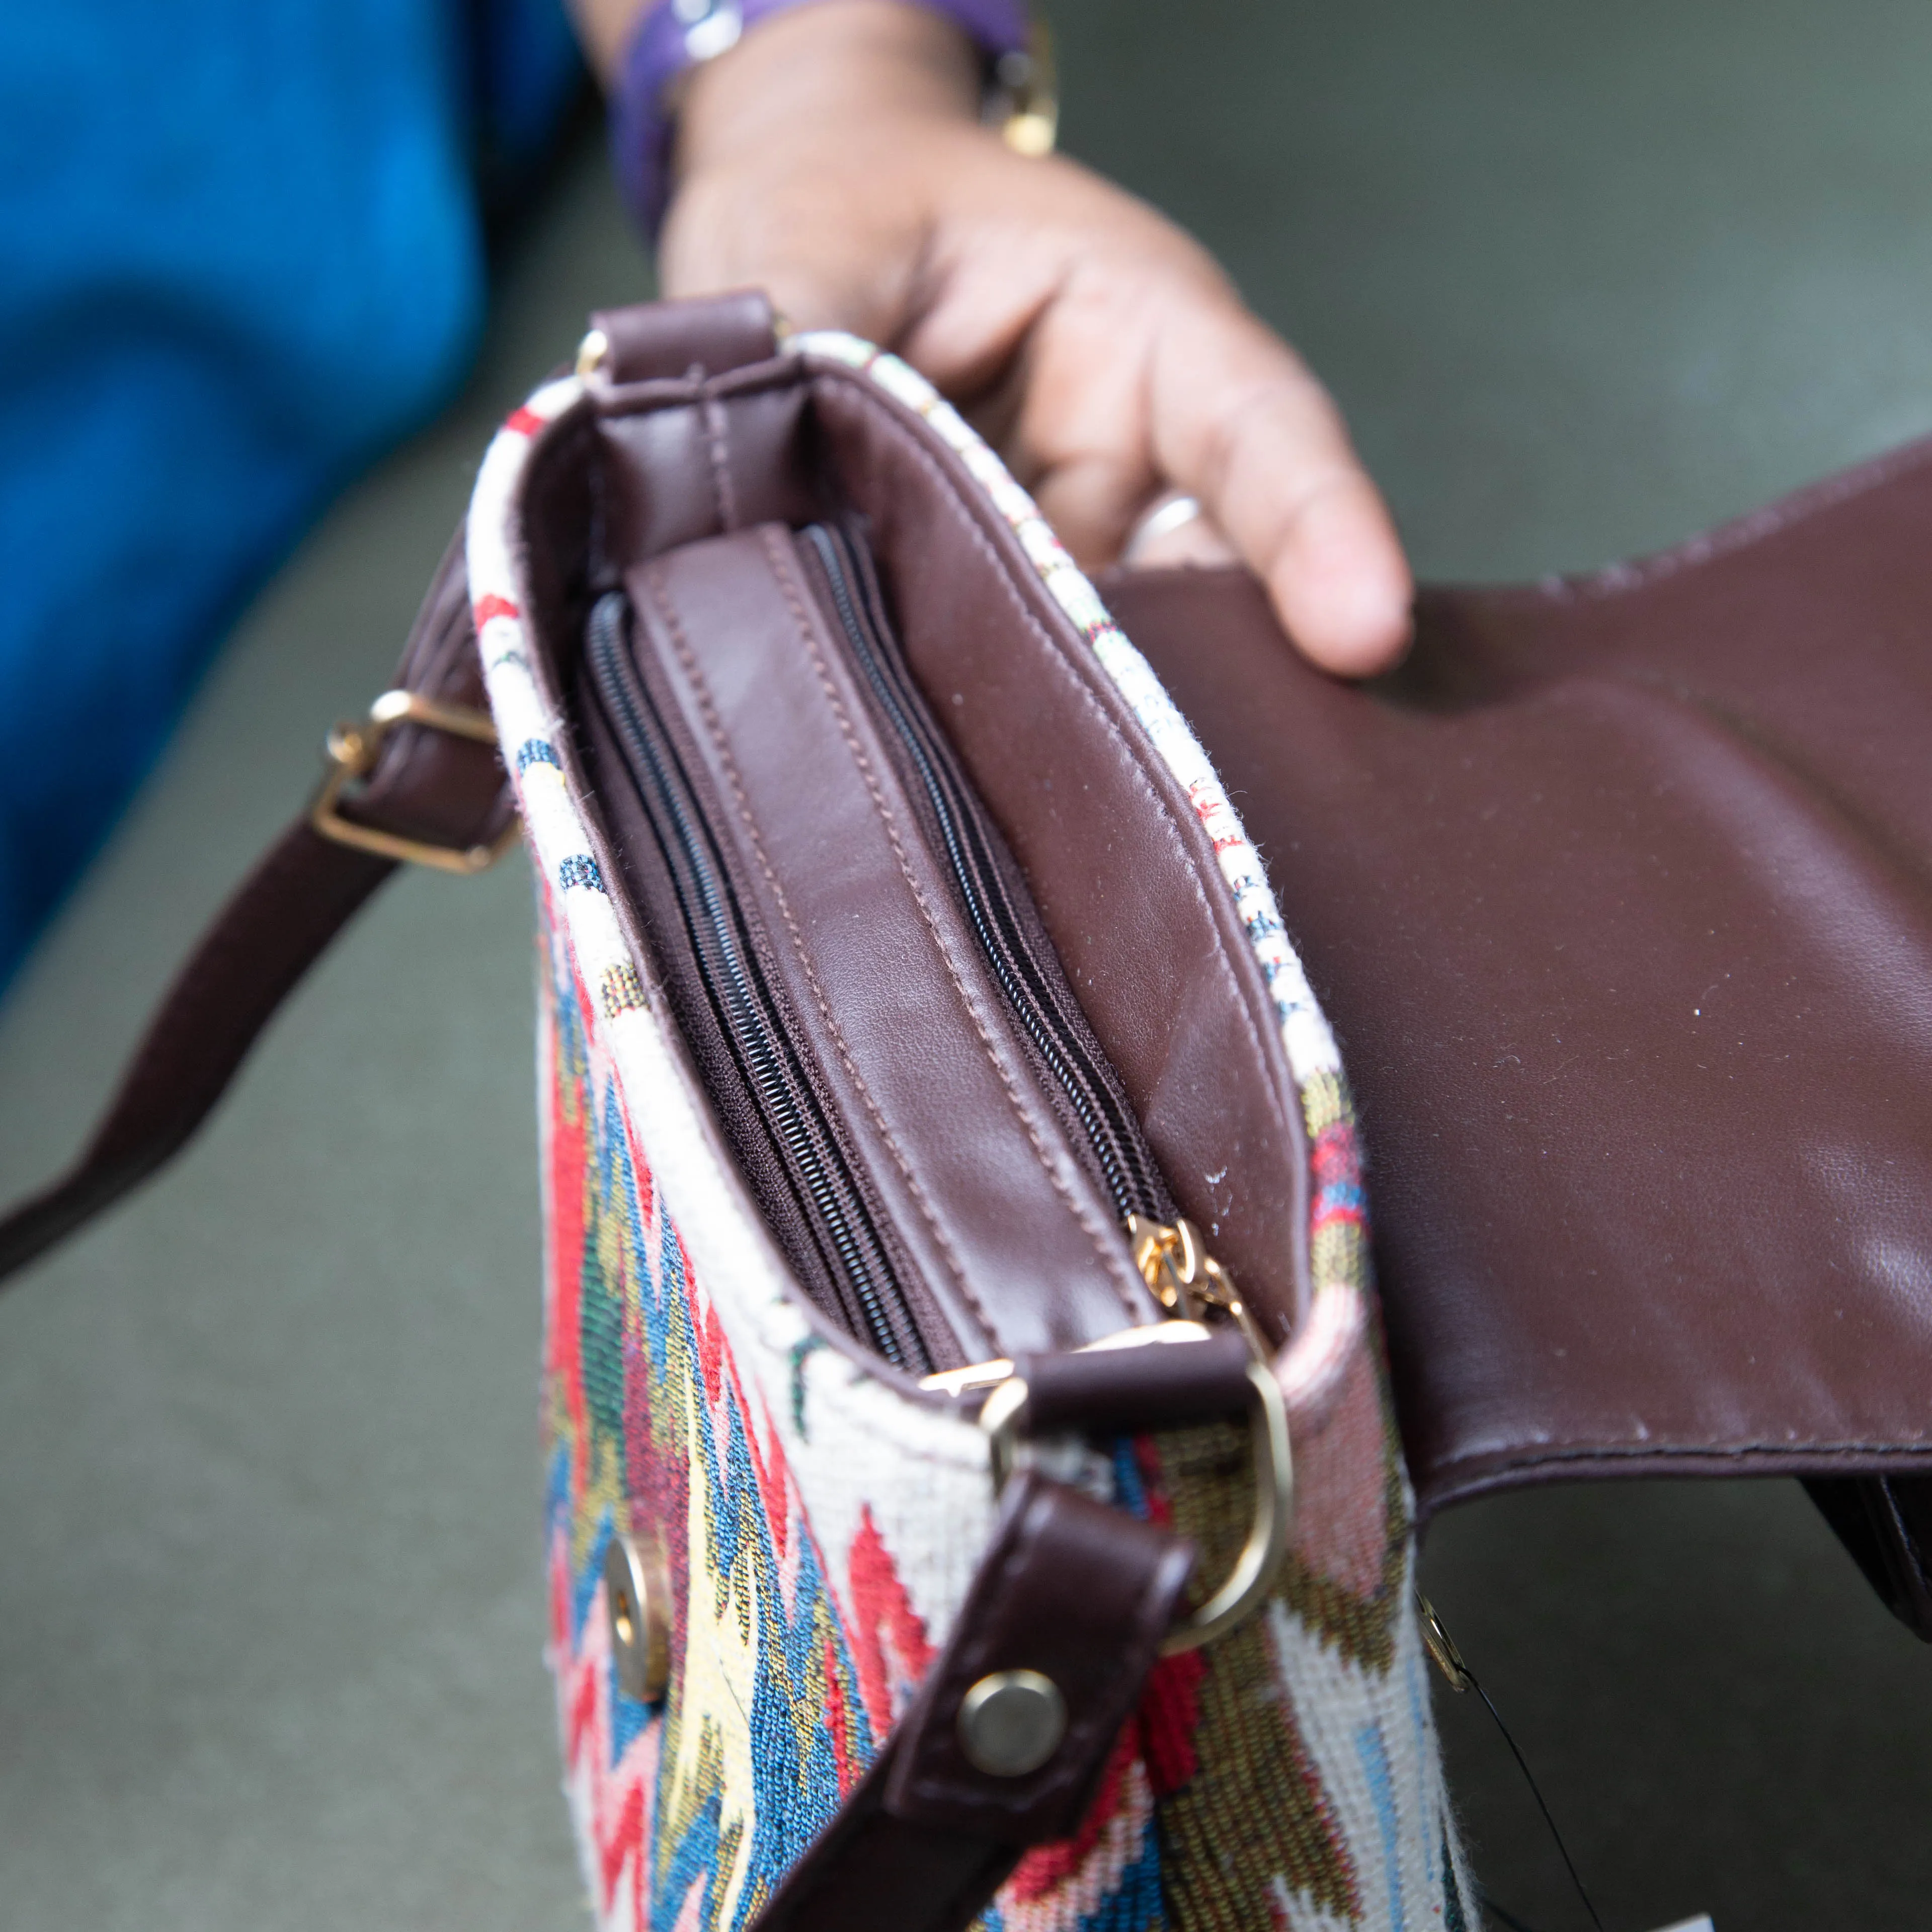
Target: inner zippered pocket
x,y
989,886
786,1136
935,1137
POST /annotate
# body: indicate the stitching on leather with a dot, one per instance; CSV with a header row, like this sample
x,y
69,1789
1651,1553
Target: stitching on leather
x,y
1503,1462
715,427
655,583
1057,655
1104,1236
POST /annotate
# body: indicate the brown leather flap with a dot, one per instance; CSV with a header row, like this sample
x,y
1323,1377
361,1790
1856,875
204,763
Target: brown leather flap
x,y
1619,895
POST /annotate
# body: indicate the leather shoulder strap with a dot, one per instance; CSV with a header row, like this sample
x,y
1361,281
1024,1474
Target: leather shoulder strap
x,y
418,779
425,787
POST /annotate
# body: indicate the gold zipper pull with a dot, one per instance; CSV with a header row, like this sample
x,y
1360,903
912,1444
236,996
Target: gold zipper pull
x,y
1186,1280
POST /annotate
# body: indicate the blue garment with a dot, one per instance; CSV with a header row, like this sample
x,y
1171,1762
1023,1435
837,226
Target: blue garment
x,y
242,255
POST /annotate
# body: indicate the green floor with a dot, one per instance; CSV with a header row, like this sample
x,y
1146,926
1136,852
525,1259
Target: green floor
x,y
1586,277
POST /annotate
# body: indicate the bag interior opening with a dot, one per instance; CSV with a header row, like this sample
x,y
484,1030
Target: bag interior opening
x,y
1117,859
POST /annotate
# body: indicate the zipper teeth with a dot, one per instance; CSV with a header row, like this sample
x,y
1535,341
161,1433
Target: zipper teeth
x,y
1125,1161
785,1102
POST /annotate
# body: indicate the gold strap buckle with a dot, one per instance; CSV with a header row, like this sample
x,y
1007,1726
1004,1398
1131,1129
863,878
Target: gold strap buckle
x,y
353,750
1247,1586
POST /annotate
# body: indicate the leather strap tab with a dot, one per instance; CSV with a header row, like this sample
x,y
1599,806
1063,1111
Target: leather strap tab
x,y
1156,1385
1078,1592
669,339
425,785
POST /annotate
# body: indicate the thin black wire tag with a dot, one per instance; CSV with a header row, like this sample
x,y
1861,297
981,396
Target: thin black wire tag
x,y
1449,1660
1442,1646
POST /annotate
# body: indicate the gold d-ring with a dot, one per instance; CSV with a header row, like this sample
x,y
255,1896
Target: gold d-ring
x,y
353,750
1247,1586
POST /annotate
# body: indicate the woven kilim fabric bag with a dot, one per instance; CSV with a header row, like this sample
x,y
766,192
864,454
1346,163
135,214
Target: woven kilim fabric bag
x,y
974,1497
816,1522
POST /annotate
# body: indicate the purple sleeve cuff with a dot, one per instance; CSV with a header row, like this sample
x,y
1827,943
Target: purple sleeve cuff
x,y
675,35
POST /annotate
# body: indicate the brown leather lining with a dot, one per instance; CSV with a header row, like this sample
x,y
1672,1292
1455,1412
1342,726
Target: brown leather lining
x,y
732,456
1115,855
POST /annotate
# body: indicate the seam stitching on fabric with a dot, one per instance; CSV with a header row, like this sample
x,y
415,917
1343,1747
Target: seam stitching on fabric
x,y
716,427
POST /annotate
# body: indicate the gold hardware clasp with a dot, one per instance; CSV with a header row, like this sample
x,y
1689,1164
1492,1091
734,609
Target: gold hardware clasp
x,y
352,750
1026,99
591,354
1442,1646
1247,1586
1186,1280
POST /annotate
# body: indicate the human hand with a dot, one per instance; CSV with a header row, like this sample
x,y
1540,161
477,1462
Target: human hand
x,y
835,158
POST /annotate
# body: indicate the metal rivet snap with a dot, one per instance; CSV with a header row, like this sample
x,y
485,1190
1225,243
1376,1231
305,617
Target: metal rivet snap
x,y
640,1635
1012,1722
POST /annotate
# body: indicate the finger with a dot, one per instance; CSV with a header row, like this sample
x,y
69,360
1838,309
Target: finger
x,y
1238,422
1072,420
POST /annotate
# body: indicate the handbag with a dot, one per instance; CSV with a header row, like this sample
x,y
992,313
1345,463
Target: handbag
x,y
1519,870
973,1491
